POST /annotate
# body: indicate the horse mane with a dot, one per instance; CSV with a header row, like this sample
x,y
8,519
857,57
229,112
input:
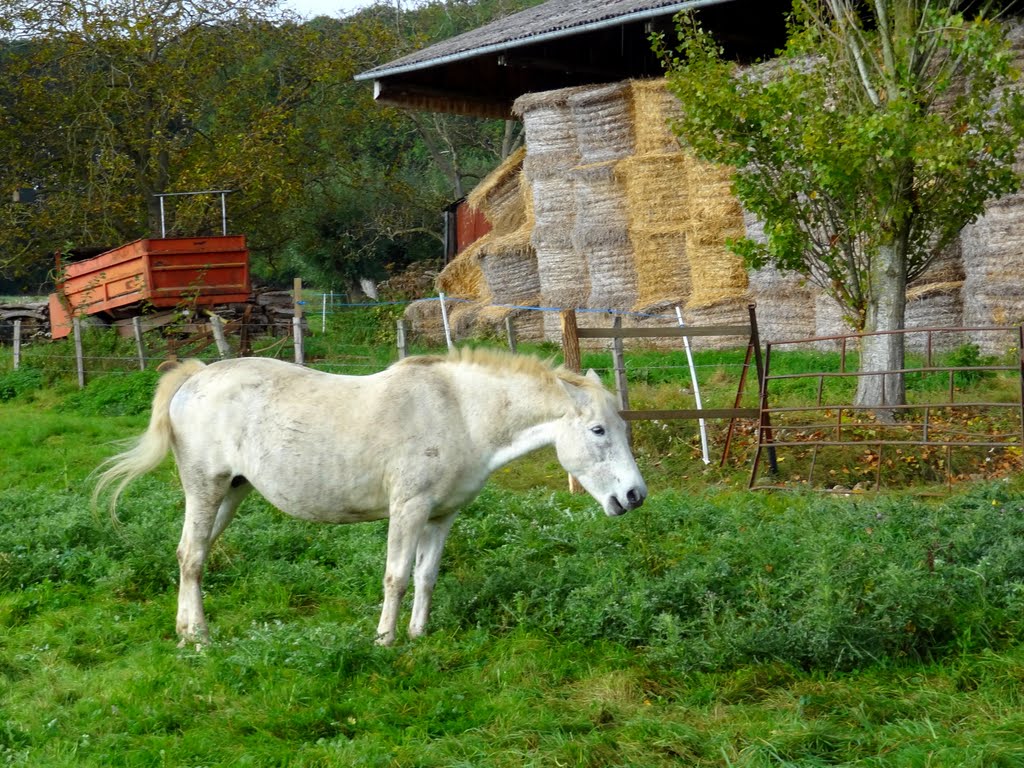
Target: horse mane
x,y
506,362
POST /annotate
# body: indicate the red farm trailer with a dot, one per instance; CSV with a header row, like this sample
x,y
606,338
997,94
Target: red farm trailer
x,y
153,272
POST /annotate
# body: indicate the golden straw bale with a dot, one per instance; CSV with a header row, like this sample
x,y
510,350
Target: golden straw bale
x,y
462,277
654,107
716,274
662,269
503,195
603,120
715,218
656,191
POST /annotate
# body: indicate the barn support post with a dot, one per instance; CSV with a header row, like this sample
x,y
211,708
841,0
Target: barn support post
x,y
16,340
76,325
217,327
140,346
510,333
403,350
572,360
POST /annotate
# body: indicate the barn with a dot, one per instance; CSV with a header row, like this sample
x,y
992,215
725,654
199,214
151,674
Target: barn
x,y
604,211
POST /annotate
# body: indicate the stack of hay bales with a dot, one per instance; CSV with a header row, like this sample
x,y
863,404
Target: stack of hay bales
x,y
507,259
719,279
785,300
603,122
993,253
935,300
655,181
552,152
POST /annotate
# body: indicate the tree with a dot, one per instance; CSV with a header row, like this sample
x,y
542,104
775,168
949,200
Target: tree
x,y
881,130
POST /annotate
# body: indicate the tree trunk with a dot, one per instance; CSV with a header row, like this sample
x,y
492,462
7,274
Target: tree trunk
x,y
887,301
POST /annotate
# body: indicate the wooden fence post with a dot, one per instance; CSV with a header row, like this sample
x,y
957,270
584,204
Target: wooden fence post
x,y
300,354
217,326
510,333
572,360
140,345
17,343
621,383
76,325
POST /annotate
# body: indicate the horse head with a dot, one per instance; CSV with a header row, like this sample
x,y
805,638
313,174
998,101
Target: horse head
x,y
592,444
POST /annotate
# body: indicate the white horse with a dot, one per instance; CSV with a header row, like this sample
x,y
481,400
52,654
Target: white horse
x,y
414,443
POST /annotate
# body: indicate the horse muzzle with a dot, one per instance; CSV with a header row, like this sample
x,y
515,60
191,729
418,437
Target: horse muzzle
x,y
634,498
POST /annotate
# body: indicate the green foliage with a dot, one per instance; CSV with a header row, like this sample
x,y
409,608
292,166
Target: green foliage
x,y
125,394
859,137
15,384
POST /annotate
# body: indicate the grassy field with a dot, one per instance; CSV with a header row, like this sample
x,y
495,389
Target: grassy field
x,y
712,627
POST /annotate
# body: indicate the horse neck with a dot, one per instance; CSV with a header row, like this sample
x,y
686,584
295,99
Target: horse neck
x,y
512,415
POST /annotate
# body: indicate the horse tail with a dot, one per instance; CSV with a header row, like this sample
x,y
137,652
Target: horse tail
x,y
150,448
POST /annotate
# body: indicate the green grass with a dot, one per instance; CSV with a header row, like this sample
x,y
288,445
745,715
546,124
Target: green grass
x,y
712,627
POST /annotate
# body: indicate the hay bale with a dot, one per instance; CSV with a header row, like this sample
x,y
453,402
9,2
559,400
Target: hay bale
x,y
785,304
731,310
600,233
602,118
529,324
509,267
463,278
993,260
829,320
552,147
717,274
654,107
503,196
656,208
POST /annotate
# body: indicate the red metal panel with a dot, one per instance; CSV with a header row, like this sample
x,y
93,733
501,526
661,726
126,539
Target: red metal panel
x,y
163,272
470,226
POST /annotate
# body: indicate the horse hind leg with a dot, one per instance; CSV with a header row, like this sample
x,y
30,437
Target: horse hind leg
x,y
196,538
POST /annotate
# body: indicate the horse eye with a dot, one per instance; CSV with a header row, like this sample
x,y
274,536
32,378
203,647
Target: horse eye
x,y
598,430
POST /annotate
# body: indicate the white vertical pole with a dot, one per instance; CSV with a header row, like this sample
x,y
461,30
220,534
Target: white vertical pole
x,y
300,354
444,319
403,350
696,389
323,323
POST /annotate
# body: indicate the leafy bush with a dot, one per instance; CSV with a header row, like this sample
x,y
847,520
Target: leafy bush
x,y
14,384
124,394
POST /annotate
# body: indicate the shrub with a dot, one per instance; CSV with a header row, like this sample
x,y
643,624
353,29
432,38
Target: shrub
x,y
14,384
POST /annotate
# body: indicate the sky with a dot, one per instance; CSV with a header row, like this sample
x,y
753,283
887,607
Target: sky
x,y
311,8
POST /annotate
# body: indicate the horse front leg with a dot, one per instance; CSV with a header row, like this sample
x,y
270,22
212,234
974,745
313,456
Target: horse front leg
x,y
428,561
404,530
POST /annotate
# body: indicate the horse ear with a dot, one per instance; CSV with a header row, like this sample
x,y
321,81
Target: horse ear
x,y
576,394
592,375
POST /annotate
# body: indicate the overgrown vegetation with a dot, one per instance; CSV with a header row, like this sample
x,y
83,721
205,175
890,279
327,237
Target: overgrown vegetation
x,y
712,627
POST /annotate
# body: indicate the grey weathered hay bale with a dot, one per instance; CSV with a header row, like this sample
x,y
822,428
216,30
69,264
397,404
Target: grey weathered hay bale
x,y
731,310
935,300
993,258
551,142
653,109
829,320
509,267
785,304
423,320
603,120
600,233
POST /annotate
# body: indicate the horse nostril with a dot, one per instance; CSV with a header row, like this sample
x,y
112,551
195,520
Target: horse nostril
x,y
634,498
